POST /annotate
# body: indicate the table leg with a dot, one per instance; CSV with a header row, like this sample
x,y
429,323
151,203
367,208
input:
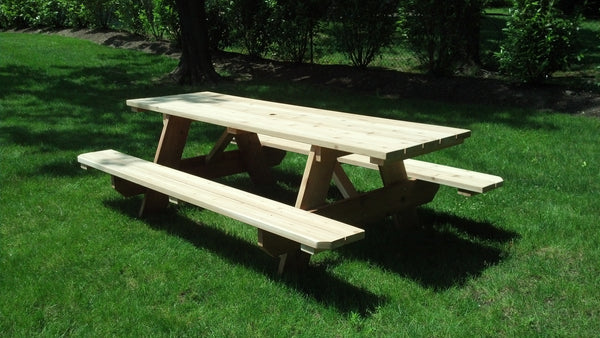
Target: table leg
x,y
169,152
317,177
253,157
343,183
313,191
395,173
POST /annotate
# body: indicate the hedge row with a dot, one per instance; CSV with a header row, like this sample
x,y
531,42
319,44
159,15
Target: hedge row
x,y
540,36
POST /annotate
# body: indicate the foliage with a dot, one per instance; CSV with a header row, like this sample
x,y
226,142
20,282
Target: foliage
x,y
96,13
18,13
296,21
132,15
498,3
363,27
442,32
282,28
156,19
218,13
570,7
32,13
539,40
153,18
253,24
77,14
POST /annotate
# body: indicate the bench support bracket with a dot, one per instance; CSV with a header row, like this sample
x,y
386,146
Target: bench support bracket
x,y
291,257
402,197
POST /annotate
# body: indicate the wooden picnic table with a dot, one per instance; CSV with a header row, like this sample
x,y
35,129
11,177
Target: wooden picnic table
x,y
330,134
262,130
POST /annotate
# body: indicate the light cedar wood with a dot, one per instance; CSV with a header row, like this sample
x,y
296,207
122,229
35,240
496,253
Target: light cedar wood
x,y
466,181
376,138
313,232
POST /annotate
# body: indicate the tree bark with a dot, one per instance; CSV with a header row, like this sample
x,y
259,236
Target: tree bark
x,y
195,64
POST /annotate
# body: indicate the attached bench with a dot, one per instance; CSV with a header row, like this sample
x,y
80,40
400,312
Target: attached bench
x,y
283,229
467,182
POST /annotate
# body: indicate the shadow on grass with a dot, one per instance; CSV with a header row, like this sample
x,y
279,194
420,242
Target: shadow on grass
x,y
316,282
445,252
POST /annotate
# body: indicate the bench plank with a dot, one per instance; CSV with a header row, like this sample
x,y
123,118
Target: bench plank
x,y
313,232
466,181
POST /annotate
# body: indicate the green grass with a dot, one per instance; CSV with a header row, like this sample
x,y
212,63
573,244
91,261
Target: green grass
x,y
74,260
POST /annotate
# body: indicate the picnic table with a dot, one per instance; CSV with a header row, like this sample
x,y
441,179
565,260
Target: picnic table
x,y
263,132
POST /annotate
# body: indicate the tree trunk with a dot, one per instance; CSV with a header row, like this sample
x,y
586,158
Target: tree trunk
x,y
195,64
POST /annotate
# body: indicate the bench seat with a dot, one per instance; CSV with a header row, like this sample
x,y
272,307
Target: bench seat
x,y
313,232
466,181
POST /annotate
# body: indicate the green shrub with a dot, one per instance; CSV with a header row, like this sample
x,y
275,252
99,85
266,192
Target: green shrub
x,y
33,13
539,40
570,7
218,15
296,23
90,13
130,14
77,14
151,18
363,27
53,13
166,13
498,3
252,22
18,13
442,32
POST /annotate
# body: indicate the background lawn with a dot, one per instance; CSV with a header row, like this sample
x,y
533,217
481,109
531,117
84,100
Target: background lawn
x,y
521,260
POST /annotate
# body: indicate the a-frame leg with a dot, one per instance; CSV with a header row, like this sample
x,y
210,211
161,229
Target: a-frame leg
x,y
169,152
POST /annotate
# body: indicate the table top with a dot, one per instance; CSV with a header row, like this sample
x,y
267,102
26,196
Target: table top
x,y
379,138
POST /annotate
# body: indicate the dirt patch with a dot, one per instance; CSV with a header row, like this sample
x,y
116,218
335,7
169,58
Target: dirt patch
x,y
384,82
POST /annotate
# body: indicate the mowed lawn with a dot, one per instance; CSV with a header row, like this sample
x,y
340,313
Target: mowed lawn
x,y
522,260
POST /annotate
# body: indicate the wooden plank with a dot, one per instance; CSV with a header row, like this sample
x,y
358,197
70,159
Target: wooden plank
x,y
462,179
342,181
466,181
317,177
310,230
377,138
172,141
228,163
219,146
170,148
253,157
377,204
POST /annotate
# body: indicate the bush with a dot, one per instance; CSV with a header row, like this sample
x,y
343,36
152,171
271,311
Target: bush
x,y
443,33
90,13
296,24
52,14
539,40
363,27
151,18
498,3
19,13
252,22
77,14
33,13
218,15
570,7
